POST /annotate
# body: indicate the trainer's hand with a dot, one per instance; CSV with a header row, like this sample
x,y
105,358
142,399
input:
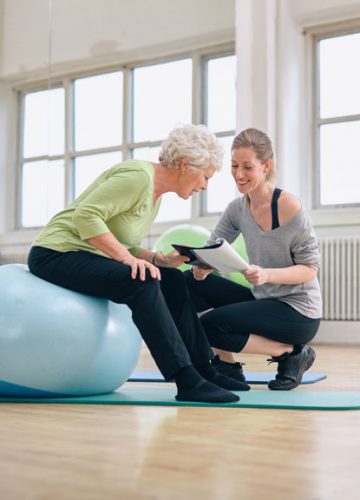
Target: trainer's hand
x,y
256,275
200,273
139,266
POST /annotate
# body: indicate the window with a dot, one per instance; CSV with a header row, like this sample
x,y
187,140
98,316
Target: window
x,y
162,100
98,126
119,114
337,119
220,111
42,156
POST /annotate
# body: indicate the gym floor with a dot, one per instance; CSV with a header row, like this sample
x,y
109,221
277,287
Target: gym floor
x,y
52,452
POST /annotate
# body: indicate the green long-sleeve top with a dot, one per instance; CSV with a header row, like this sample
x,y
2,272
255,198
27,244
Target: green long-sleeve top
x,y
120,200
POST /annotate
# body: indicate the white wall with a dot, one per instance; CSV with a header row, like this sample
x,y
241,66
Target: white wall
x,y
314,12
274,90
88,29
7,156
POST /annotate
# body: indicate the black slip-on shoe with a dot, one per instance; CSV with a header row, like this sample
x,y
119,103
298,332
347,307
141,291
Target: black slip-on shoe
x,y
232,370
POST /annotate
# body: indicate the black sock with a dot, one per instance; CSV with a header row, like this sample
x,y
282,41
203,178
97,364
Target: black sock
x,y
207,371
192,387
187,377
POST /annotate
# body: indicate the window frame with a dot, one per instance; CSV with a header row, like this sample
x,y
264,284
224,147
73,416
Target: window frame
x,y
199,58
225,133
21,160
318,34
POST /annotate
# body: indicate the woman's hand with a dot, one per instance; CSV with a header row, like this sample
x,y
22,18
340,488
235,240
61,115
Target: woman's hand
x,y
172,259
200,273
256,275
139,266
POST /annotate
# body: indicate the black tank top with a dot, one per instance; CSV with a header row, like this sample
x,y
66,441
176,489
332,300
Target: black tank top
x,y
274,208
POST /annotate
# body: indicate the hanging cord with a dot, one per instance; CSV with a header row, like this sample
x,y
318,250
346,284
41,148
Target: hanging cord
x,y
50,34
49,110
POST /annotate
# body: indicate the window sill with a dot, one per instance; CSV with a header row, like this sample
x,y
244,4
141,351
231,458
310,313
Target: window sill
x,y
336,217
19,238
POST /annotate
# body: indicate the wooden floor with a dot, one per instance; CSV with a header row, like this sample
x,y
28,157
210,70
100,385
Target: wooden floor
x,y
52,452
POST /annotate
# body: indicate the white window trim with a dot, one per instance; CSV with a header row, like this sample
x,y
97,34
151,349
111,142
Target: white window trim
x,y
327,215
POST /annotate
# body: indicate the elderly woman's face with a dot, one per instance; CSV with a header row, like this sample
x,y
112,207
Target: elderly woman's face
x,y
193,181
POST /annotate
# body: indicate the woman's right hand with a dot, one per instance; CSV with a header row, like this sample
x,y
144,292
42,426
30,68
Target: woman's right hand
x,y
200,273
139,266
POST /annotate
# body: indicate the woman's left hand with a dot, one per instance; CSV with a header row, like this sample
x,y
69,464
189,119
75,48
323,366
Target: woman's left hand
x,y
172,259
256,275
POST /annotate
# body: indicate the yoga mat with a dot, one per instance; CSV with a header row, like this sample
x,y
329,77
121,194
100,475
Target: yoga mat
x,y
251,377
302,400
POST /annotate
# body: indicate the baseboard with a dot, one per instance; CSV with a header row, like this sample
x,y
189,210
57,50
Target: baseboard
x,y
338,332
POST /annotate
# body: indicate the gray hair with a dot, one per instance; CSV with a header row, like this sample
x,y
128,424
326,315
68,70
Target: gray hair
x,y
194,142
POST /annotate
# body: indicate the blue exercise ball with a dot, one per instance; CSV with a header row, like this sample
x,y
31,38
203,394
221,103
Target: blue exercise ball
x,y
56,342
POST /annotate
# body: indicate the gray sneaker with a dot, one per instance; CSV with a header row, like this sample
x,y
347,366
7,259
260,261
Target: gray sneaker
x,y
291,368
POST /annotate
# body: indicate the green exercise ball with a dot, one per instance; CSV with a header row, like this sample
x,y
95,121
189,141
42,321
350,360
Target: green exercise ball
x,y
239,246
183,234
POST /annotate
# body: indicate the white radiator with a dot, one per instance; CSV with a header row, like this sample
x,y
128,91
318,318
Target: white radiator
x,y
340,278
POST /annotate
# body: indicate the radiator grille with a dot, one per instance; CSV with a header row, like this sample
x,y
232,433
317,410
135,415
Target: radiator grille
x,y
340,278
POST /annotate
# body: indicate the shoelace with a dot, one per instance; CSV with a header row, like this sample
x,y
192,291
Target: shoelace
x,y
278,358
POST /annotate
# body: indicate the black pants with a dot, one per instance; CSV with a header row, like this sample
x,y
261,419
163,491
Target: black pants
x,y
163,311
236,314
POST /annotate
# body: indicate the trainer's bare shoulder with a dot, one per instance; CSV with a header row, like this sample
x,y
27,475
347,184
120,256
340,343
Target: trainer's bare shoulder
x,y
288,206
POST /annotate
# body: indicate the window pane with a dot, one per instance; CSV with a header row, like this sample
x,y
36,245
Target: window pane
x,y
173,208
222,188
44,116
221,100
98,111
340,76
162,99
148,154
339,168
87,168
42,191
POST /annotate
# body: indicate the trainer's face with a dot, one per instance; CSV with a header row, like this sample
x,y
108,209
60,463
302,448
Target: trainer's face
x,y
247,170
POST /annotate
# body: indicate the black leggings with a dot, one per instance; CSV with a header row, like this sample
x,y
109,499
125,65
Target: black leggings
x,y
236,314
162,310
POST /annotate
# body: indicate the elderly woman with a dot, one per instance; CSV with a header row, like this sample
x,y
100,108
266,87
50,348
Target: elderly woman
x,y
92,247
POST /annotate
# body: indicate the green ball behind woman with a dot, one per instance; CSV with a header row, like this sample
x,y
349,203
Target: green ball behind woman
x,y
239,246
183,234
196,236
